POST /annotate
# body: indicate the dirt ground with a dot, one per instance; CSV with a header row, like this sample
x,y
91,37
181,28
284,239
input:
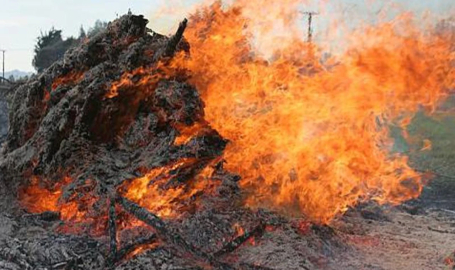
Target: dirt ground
x,y
401,241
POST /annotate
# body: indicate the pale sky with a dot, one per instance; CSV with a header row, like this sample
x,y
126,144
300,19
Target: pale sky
x,y
21,21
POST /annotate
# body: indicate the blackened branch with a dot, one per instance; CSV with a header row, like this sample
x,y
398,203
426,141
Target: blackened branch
x,y
112,232
238,241
171,45
174,41
168,235
121,254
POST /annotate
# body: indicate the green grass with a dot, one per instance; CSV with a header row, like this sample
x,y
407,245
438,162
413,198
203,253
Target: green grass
x,y
439,128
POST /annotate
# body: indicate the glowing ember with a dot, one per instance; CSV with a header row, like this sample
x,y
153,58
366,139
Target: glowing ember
x,y
38,197
72,77
144,78
189,132
238,229
141,248
302,226
126,81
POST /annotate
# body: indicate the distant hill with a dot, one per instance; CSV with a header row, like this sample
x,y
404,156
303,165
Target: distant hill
x,y
17,74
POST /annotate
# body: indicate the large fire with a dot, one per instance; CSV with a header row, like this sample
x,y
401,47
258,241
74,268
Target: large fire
x,y
312,138
308,137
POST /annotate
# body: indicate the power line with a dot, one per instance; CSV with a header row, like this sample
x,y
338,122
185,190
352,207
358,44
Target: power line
x,y
3,72
20,49
310,15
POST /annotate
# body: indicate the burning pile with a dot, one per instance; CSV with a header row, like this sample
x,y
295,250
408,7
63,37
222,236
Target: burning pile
x,y
112,141
111,118
116,135
112,134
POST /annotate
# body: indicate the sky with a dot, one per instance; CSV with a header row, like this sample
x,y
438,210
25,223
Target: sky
x,y
22,21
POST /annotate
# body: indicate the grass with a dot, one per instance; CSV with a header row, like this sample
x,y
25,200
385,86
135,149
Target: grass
x,y
439,128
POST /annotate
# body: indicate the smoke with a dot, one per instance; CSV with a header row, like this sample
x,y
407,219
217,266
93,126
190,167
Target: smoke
x,y
274,29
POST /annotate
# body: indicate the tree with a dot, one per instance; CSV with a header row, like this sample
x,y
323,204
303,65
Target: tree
x,y
82,34
98,27
49,48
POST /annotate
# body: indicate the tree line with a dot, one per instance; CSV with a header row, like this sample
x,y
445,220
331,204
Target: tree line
x,y
51,46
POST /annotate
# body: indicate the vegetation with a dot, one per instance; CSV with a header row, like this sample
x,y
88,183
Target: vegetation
x,y
51,46
99,26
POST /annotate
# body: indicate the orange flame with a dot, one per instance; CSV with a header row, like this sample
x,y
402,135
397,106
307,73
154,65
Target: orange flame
x,y
427,145
139,78
38,197
186,133
138,250
238,229
311,138
150,191
127,81
72,77
307,137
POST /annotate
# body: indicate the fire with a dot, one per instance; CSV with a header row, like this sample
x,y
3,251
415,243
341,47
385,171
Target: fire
x,y
148,78
189,132
157,191
142,77
238,229
78,216
164,196
307,137
141,249
38,199
72,77
426,145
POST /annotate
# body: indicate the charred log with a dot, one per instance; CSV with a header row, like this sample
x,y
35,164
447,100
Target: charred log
x,y
172,44
112,233
44,216
123,252
168,235
238,241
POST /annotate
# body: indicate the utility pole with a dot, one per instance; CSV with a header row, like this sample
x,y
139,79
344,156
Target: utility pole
x,y
3,72
310,15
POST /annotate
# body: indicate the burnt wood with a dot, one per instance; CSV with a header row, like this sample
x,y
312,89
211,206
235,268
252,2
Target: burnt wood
x,y
169,235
